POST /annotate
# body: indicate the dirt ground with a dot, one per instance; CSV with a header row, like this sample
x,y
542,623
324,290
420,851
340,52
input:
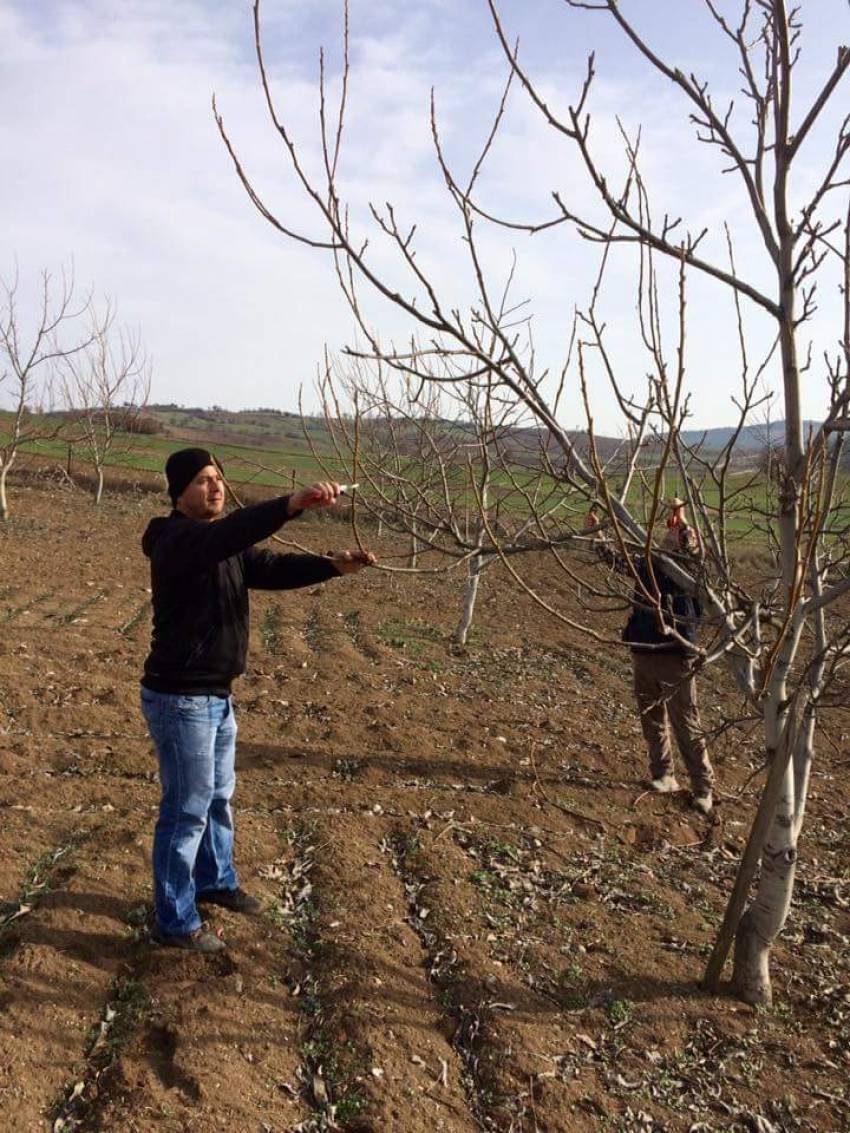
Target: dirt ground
x,y
475,918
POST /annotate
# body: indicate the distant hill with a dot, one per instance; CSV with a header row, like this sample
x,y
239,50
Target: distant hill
x,y
277,429
274,428
254,428
753,438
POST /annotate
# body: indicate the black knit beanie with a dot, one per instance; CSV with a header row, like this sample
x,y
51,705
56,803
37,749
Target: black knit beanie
x,y
182,467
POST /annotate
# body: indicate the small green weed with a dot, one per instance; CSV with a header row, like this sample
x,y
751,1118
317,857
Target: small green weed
x,y
410,636
620,1011
36,883
351,1106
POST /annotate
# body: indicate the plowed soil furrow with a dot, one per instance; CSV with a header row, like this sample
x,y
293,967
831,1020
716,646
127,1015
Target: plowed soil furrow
x,y
538,888
7,593
116,605
56,979
26,610
219,1043
77,772
327,773
28,884
123,748
361,636
378,1021
325,633
74,608
277,623
133,618
113,778
28,842
75,801
508,1036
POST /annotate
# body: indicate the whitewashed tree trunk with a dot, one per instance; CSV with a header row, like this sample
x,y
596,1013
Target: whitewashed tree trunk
x,y
98,492
766,916
473,576
4,502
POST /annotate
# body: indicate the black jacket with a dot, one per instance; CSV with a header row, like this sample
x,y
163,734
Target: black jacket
x,y
200,576
681,611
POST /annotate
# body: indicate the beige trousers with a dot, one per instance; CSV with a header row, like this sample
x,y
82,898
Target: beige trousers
x,y
666,695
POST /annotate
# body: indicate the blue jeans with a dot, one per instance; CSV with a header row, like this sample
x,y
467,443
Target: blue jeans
x,y
195,738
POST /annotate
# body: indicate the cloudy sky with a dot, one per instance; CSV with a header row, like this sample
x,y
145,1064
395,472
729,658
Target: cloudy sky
x,y
111,160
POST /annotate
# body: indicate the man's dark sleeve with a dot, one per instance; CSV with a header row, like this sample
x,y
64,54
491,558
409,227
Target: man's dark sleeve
x,y
195,544
265,570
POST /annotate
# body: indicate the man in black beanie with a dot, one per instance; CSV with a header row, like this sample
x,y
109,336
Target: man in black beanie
x,y
182,467
202,566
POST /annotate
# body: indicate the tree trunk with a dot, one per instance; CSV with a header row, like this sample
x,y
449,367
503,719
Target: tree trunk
x,y
766,916
473,577
759,835
790,737
4,503
98,492
414,547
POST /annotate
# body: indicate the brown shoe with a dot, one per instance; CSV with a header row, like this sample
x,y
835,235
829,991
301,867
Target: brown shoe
x,y
198,941
237,900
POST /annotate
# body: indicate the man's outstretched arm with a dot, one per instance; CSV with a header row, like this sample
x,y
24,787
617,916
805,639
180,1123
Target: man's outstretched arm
x,y
199,544
265,570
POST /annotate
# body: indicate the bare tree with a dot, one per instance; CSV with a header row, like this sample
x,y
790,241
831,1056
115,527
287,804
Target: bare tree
x,y
438,465
29,362
106,388
784,632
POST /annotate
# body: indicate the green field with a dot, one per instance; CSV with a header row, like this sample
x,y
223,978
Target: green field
x,y
269,449
269,464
